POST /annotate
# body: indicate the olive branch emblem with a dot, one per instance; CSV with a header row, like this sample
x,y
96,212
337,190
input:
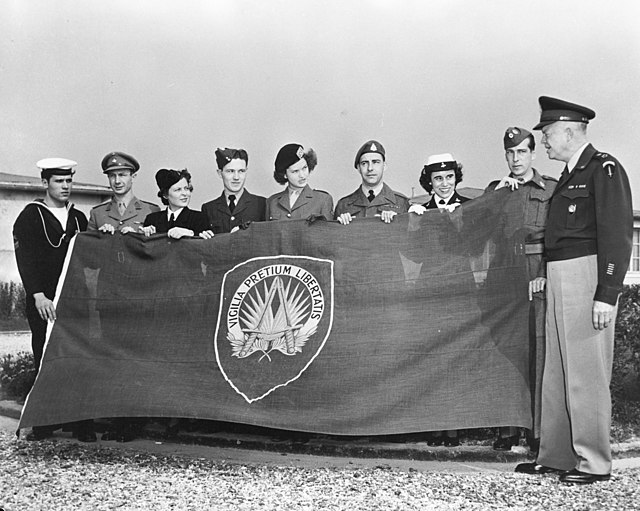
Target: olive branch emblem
x,y
264,331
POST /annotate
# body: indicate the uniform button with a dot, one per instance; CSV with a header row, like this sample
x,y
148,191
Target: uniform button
x,y
121,222
233,218
288,215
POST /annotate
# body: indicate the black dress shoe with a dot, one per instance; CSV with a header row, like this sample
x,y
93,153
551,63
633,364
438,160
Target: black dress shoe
x,y
451,441
39,433
535,469
86,436
575,476
505,443
435,441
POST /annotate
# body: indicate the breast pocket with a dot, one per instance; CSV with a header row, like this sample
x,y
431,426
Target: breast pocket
x,y
538,209
579,208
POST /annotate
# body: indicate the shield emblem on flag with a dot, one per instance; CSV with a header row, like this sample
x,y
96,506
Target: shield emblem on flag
x,y
275,317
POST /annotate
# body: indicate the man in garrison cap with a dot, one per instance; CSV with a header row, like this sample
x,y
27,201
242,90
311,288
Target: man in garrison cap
x,y
124,212
41,235
588,241
236,207
534,190
373,197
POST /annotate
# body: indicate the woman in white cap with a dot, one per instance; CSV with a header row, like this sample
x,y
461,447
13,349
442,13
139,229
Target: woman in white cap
x,y
440,176
298,201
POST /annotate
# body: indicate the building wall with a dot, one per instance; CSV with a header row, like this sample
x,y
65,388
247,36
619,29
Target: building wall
x,y
11,204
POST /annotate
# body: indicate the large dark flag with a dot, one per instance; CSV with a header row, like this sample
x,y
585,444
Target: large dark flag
x,y
370,328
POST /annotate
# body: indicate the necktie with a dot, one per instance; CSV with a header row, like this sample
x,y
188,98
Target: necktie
x,y
441,202
121,208
371,196
520,180
232,202
172,221
293,197
565,173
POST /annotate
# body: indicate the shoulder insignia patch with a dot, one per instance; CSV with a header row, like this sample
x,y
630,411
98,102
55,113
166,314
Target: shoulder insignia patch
x,y
609,167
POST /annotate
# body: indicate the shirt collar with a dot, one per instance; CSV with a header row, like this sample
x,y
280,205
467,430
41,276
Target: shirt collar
x,y
175,213
376,189
573,161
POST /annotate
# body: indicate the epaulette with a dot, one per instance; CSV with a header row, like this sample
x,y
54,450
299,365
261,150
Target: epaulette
x,y
608,162
492,185
148,203
101,204
549,178
321,191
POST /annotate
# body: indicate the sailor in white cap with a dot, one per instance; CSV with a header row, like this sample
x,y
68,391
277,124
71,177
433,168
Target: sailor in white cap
x,y
41,235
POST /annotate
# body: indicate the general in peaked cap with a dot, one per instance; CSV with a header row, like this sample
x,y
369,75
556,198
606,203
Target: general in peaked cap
x,y
370,146
553,110
119,161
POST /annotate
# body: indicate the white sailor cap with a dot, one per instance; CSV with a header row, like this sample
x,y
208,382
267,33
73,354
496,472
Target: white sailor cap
x,y
58,166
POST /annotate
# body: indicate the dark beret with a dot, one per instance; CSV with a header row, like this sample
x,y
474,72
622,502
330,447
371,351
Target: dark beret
x,y
224,156
288,155
119,161
514,136
371,146
553,110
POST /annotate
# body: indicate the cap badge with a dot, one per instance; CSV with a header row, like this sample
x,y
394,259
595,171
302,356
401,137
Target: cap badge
x,y
443,165
114,161
510,135
300,152
373,147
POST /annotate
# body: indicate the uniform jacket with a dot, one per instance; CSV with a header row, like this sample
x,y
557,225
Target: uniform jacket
x,y
107,213
309,203
359,206
536,195
188,219
41,245
249,208
456,198
591,213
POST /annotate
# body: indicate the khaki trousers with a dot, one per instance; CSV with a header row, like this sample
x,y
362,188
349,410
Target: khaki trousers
x,y
576,403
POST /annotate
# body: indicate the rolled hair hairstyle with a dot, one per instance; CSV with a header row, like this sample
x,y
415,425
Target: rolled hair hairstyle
x,y
280,172
427,170
166,178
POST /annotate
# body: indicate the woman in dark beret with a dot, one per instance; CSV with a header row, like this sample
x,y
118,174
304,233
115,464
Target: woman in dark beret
x,y
177,220
298,200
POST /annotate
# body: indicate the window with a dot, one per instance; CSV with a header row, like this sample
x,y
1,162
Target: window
x,y
635,253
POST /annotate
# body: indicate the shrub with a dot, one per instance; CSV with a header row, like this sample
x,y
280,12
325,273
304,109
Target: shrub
x,y
12,298
17,374
625,380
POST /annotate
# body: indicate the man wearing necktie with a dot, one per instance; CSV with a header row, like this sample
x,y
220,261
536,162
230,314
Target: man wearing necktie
x,y
124,212
535,191
373,197
588,241
236,207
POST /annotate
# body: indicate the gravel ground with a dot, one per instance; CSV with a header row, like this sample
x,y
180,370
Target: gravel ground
x,y
51,476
